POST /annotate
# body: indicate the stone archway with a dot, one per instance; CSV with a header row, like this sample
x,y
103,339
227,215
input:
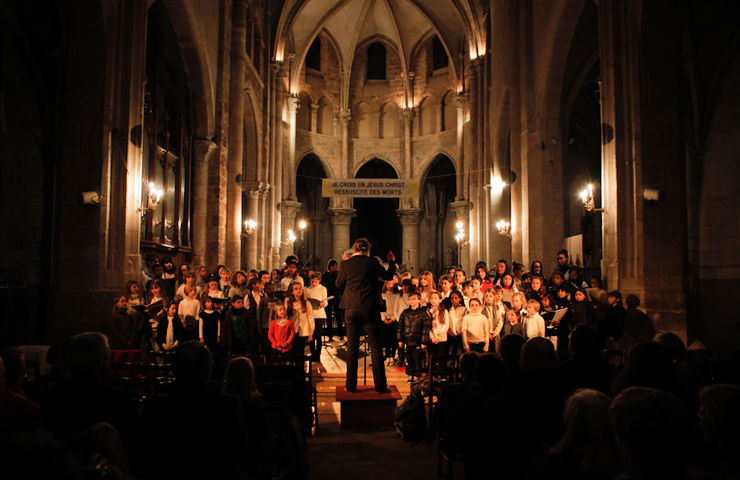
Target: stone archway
x,y
313,247
376,218
438,190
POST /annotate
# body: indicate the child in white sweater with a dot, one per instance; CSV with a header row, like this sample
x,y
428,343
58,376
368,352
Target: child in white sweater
x,y
534,324
475,328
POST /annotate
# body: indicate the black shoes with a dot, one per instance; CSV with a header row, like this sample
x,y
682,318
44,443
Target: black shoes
x,y
384,390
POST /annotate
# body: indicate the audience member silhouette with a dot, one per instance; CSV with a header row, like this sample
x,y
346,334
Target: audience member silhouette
x,y
86,396
195,432
653,433
587,449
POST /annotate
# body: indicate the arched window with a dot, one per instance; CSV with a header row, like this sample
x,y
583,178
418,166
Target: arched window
x,y
439,55
376,61
313,57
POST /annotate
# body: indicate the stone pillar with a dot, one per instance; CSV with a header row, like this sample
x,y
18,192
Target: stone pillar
x,y
252,239
236,133
293,105
288,211
203,151
407,115
461,209
314,117
460,106
410,220
340,218
344,117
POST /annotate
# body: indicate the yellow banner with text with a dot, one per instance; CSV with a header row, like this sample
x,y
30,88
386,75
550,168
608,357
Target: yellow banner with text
x,y
369,187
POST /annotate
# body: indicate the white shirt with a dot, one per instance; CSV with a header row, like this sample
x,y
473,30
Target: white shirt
x,y
286,281
188,306
170,336
475,329
534,326
455,317
439,329
317,293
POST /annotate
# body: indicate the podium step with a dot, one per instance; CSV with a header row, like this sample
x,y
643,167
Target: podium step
x,y
366,408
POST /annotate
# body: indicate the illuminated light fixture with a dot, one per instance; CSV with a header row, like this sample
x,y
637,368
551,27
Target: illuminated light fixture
x,y
250,226
291,236
461,240
497,185
302,225
504,227
587,197
153,198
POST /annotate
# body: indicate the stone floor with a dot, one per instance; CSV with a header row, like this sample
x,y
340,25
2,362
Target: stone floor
x,y
334,452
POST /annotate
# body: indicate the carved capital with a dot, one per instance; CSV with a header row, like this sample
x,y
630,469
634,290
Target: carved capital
x,y
294,103
289,209
461,209
411,217
407,114
344,115
341,216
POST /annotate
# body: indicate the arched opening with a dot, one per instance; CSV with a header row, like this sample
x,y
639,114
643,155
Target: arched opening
x,y
390,125
425,119
438,250
313,245
439,55
376,218
376,61
303,115
313,56
449,112
325,117
582,140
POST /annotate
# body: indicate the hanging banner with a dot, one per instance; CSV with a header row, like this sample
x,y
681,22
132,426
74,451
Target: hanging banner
x,y
369,187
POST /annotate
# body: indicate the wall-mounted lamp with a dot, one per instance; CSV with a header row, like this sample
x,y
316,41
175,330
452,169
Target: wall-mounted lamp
x,y
302,225
291,236
587,197
90,198
250,226
153,198
652,194
504,227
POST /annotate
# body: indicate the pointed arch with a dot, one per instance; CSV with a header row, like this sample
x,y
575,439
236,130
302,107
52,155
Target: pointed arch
x,y
390,125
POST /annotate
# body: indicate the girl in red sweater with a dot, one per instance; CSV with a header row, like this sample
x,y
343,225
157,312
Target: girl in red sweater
x,y
280,332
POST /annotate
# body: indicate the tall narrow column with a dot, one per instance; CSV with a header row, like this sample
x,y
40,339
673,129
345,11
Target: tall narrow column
x,y
461,210
407,114
460,106
293,105
344,117
314,117
236,133
410,220
340,218
252,213
288,211
203,151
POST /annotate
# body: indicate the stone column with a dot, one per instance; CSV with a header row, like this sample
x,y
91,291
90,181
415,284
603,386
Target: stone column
x,y
236,133
407,114
340,218
314,117
288,211
252,239
293,105
410,220
203,151
460,186
344,117
461,209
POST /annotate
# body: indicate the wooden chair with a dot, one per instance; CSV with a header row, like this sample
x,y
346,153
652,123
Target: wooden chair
x,y
441,369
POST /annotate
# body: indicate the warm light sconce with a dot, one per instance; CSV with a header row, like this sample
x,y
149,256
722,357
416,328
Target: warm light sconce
x,y
587,197
302,225
291,236
250,226
504,227
153,198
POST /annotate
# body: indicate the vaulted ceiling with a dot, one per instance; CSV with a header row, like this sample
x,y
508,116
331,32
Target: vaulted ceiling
x,y
403,23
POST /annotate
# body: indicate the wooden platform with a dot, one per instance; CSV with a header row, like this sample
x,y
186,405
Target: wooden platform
x,y
366,408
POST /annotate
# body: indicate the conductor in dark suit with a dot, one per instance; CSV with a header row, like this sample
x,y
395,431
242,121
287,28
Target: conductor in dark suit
x,y
359,279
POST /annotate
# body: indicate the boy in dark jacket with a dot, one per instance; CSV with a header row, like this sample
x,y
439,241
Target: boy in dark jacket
x,y
412,334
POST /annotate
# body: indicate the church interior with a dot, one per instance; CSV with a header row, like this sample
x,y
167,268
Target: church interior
x,y
207,131
503,111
